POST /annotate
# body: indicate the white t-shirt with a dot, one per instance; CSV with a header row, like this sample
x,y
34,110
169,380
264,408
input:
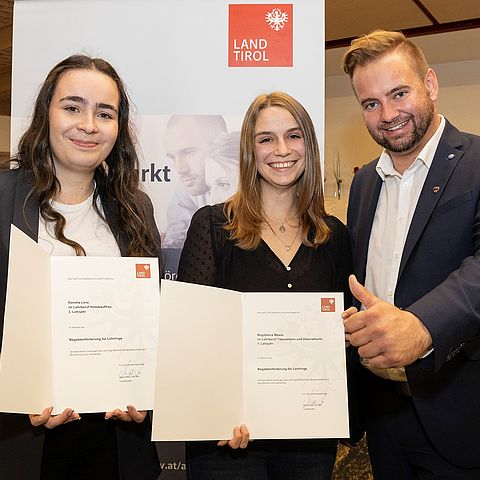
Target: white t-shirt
x,y
84,226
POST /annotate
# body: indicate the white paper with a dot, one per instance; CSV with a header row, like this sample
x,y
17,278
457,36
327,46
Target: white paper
x,y
274,361
200,355
26,383
99,327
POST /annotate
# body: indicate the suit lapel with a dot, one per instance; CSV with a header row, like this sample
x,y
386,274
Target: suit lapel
x,y
25,216
444,162
366,216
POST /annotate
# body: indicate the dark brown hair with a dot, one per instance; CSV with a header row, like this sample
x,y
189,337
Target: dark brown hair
x,y
116,181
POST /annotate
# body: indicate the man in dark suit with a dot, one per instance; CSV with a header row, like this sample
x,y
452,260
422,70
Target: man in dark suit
x,y
414,218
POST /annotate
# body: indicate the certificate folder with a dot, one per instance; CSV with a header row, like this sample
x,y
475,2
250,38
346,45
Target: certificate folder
x,y
79,332
274,361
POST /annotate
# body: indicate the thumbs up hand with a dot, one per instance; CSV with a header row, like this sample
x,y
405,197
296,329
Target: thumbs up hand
x,y
385,335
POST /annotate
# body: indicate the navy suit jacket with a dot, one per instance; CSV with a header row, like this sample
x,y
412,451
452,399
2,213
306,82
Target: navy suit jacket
x,y
439,282
20,443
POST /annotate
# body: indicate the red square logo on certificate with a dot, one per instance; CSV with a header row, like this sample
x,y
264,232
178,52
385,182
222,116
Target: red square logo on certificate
x,y
142,270
260,35
327,305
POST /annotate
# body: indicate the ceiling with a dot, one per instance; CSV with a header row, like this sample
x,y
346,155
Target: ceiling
x,y
344,20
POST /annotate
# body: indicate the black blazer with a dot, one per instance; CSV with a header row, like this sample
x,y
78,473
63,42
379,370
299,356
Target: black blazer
x,y
21,444
439,282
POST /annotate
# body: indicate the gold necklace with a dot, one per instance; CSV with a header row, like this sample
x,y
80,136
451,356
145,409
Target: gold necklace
x,y
287,246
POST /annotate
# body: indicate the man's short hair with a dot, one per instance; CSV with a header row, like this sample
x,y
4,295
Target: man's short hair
x,y
371,47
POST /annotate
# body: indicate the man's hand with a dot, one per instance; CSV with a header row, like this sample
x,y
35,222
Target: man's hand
x,y
385,335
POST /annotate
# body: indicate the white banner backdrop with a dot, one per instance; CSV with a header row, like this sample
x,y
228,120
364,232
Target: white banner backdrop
x,y
174,57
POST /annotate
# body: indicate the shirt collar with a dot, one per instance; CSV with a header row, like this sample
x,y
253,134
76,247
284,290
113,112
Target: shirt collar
x,y
385,165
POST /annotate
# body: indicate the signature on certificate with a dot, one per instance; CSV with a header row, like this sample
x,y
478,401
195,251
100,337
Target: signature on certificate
x,y
130,370
313,400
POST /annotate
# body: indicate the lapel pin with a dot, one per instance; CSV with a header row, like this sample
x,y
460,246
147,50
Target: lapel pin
x,y
451,156
436,189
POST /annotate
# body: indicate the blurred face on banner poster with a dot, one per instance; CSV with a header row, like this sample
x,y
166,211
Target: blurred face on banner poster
x,y
186,145
204,157
221,180
222,167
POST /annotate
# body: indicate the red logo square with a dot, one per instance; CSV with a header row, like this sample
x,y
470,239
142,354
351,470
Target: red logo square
x,y
260,35
142,270
327,305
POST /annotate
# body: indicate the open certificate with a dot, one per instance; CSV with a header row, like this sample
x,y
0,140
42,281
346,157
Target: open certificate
x,y
274,361
79,332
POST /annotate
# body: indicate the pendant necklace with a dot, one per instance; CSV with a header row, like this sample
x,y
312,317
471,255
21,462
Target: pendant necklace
x,y
287,246
281,228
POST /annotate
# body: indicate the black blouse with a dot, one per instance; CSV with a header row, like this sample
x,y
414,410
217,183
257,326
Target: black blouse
x,y
210,258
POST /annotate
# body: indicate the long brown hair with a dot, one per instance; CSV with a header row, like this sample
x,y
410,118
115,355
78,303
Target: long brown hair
x,y
244,209
116,182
